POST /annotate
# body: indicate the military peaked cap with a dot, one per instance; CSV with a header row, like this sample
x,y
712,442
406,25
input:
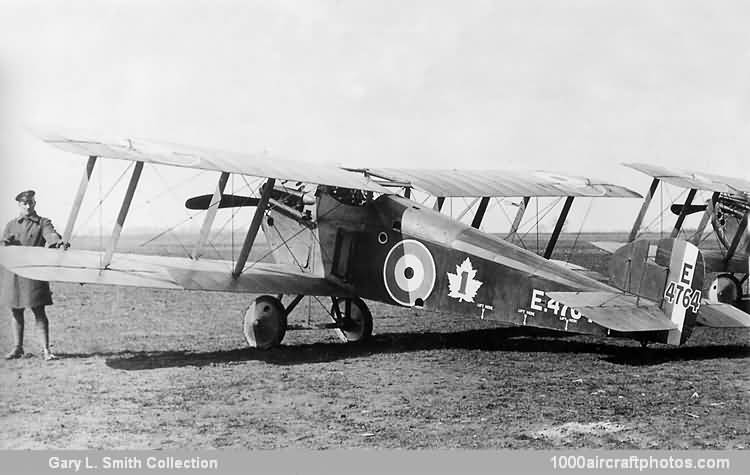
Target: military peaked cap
x,y
27,195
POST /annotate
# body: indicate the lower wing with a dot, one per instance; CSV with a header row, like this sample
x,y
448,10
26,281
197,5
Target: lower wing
x,y
161,272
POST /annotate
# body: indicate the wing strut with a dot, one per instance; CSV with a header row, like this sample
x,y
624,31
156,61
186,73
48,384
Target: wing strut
x,y
558,227
644,208
210,214
439,203
480,212
683,213
737,238
696,239
123,213
79,199
517,219
252,231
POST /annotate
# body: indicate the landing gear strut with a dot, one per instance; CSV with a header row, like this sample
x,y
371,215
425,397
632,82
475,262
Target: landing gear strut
x,y
353,317
265,322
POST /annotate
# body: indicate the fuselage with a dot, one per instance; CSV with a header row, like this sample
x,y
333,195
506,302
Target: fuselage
x,y
396,251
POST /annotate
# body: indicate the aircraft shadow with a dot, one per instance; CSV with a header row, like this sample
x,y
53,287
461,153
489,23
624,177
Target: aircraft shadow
x,y
527,340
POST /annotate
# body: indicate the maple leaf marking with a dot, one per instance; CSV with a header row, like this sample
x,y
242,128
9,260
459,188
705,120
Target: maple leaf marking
x,y
462,284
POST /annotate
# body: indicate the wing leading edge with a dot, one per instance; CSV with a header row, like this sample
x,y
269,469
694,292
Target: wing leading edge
x,y
161,272
692,179
259,164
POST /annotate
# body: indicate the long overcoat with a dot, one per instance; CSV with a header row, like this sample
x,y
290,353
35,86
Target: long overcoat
x,y
20,292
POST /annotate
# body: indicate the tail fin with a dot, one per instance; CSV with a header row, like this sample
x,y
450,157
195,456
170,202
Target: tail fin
x,y
670,272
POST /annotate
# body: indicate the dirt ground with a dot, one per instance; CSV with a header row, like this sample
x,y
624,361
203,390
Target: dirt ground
x,y
144,368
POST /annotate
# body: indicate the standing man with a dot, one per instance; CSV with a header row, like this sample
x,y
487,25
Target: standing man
x,y
28,229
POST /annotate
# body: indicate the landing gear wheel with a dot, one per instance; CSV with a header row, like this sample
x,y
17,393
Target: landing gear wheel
x,y
725,288
355,319
264,324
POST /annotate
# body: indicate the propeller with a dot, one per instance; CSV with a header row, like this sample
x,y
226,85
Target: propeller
x,y
289,197
677,209
227,201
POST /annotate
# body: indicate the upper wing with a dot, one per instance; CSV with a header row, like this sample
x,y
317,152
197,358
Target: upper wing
x,y
259,164
500,183
161,272
693,179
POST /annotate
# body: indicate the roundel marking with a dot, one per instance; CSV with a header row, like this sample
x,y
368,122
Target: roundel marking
x,y
409,272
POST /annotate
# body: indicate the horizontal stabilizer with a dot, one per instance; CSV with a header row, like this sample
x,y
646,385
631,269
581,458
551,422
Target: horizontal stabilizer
x,y
581,270
618,312
161,272
722,315
608,246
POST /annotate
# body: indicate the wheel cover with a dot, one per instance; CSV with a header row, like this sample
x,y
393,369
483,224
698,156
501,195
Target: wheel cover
x,y
724,289
264,323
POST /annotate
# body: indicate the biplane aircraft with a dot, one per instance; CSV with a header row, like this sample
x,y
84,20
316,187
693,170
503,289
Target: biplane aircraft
x,y
355,238
727,210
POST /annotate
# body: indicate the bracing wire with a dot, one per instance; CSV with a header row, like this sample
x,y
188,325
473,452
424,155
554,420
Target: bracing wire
x,y
301,230
169,189
149,241
580,230
659,217
502,208
534,220
104,196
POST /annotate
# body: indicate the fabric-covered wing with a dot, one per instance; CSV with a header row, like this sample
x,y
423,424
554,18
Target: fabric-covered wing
x,y
161,272
692,179
501,183
619,312
259,165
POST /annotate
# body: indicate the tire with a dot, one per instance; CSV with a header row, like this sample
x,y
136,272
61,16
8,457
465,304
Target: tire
x,y
356,320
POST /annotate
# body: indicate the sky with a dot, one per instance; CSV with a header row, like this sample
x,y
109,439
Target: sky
x,y
570,86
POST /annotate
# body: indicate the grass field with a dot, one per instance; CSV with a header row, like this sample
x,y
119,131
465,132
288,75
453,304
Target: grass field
x,y
144,368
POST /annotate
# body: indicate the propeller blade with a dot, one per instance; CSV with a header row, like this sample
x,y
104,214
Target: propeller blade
x,y
227,201
677,209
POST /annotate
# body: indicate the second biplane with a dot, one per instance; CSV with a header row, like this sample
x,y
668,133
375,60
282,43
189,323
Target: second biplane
x,y
355,239
728,264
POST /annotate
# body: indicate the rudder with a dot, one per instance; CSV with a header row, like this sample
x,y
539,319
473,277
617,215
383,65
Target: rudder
x,y
668,271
